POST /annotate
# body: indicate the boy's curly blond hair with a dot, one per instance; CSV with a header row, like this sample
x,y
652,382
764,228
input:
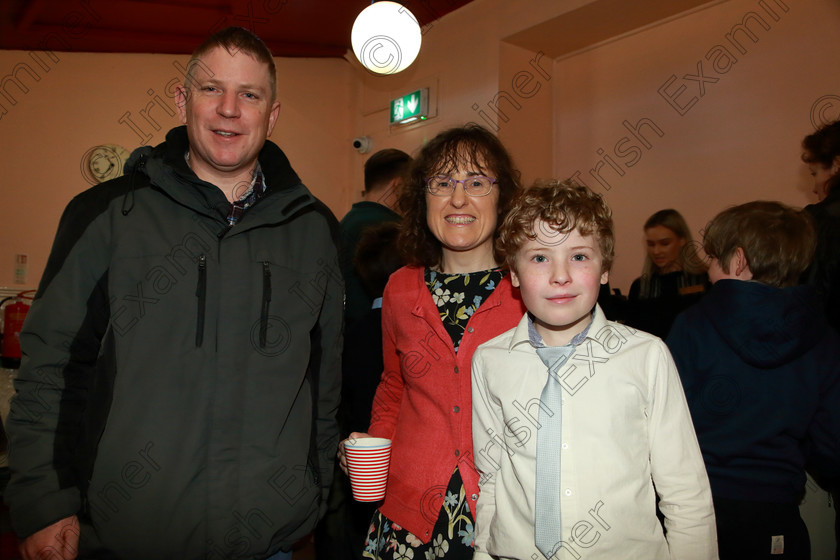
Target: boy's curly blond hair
x,y
562,206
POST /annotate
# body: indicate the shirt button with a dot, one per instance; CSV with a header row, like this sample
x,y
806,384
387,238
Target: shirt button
x,y
456,409
456,369
457,452
568,492
469,329
565,446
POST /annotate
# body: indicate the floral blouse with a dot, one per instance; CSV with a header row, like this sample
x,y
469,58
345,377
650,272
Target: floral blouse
x,y
457,297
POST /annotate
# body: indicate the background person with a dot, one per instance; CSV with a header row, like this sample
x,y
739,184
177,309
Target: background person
x,y
342,532
761,370
821,151
175,401
384,175
452,296
673,277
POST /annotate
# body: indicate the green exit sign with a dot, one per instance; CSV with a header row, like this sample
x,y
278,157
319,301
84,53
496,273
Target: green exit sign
x,y
411,107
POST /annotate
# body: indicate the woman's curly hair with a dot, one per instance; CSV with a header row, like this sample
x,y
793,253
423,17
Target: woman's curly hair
x,y
469,146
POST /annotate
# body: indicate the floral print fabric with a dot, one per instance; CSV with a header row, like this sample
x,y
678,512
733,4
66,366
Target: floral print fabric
x,y
457,297
452,536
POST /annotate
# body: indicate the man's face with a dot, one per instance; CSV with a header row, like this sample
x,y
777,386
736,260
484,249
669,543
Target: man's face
x,y
229,114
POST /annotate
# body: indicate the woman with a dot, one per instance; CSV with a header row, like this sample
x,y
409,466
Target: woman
x,y
452,296
673,277
821,151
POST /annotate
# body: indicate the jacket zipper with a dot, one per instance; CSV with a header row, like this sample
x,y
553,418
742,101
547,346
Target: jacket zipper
x,y
200,293
266,299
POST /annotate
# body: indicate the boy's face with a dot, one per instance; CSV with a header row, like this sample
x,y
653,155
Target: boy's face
x,y
559,275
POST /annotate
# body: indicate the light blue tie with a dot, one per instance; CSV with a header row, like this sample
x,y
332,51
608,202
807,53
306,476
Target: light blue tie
x,y
547,527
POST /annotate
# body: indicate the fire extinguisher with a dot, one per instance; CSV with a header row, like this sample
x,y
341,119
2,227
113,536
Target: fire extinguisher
x,y
13,316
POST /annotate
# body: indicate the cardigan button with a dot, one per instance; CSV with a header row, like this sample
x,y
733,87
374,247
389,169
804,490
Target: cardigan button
x,y
470,329
457,453
474,497
456,369
456,409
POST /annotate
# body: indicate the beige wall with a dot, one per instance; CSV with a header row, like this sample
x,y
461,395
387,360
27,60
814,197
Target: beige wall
x,y
740,141
80,101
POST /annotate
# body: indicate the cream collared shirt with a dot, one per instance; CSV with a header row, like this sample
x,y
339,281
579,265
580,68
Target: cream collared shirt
x,y
626,429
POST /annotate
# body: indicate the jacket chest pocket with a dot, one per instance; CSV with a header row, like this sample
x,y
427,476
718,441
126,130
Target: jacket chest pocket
x,y
290,302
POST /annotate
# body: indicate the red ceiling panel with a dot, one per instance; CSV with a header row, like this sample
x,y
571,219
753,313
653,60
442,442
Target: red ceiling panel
x,y
313,28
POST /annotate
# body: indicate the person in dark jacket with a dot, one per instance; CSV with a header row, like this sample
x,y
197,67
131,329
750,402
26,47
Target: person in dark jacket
x,y
181,375
673,277
384,176
761,372
342,532
821,151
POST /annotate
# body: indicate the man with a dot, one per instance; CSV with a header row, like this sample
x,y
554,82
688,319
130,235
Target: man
x,y
384,173
182,356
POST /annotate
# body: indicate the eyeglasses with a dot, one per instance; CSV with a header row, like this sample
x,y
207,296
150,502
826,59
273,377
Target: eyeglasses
x,y
444,185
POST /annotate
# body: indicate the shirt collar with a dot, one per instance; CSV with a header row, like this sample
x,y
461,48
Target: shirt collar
x,y
257,186
521,334
537,341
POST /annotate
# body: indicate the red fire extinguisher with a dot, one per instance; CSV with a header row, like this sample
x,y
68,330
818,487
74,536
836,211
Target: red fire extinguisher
x,y
13,316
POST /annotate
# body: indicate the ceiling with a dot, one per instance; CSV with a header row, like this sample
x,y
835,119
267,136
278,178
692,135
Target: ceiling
x,y
308,28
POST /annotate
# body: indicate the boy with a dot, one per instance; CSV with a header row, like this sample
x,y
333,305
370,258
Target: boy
x,y
761,371
585,488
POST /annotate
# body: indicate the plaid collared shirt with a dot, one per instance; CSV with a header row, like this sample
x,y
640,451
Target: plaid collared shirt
x,y
255,191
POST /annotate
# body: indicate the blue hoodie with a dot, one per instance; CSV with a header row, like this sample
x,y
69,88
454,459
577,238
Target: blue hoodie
x,y
761,372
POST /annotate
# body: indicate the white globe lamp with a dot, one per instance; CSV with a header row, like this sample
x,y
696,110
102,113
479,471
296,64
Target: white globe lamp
x,y
386,37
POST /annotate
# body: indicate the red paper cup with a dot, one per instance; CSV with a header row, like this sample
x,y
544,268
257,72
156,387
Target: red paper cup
x,y
367,464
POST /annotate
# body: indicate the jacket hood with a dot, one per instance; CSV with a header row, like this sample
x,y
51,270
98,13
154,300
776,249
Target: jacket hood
x,y
764,325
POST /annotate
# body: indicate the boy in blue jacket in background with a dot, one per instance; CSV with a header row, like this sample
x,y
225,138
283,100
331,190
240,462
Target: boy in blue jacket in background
x,y
761,372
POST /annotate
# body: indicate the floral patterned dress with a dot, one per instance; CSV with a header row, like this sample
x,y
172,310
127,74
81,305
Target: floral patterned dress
x,y
457,297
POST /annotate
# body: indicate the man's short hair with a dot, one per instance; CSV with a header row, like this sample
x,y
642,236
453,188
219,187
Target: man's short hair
x,y
564,206
778,241
233,40
384,166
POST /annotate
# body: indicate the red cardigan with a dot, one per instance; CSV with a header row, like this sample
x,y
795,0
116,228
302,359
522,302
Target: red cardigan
x,y
424,401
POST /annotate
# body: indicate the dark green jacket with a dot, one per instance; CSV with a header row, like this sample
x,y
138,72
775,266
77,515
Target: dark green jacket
x,y
180,378
361,216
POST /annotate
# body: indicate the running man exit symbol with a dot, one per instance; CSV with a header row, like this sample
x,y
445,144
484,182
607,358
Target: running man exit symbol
x,y
410,107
